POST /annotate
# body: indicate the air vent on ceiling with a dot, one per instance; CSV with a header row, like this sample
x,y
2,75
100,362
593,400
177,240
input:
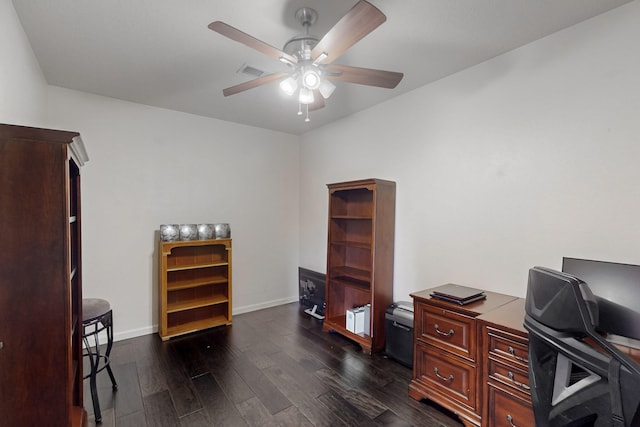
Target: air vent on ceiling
x,y
252,71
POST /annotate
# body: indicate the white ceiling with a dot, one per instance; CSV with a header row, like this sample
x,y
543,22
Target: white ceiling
x,y
161,53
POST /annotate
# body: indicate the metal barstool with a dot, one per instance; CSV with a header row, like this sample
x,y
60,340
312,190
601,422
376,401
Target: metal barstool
x,y
97,317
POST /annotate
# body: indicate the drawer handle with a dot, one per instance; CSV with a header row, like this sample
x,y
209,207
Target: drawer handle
x,y
518,383
510,419
446,334
450,378
513,353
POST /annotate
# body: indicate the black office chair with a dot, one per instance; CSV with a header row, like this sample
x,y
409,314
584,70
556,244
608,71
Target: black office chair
x,y
577,377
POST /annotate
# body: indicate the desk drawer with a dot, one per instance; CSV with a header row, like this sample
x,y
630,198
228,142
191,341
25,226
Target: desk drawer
x,y
510,376
447,330
506,410
513,352
447,375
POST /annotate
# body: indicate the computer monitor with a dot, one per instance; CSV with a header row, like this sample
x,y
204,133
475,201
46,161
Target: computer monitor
x,y
617,290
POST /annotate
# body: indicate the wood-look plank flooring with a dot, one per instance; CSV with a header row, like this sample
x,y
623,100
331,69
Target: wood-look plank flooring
x,y
273,367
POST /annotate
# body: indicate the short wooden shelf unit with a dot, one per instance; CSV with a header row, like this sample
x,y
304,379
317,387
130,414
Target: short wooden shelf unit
x,y
194,286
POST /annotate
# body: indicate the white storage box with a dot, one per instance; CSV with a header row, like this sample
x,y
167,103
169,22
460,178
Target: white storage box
x,y
359,320
351,320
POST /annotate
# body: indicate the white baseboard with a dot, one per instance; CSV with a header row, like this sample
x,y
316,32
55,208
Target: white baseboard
x,y
262,305
132,333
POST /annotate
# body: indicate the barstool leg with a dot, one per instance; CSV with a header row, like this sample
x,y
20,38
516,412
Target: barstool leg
x,y
92,379
109,326
98,318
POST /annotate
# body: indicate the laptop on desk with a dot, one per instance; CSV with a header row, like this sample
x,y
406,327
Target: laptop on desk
x,y
457,294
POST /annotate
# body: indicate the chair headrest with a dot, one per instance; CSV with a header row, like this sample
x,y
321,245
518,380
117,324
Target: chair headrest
x,y
561,301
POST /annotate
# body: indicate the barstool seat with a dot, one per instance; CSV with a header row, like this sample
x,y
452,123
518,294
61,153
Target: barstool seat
x,y
97,317
93,308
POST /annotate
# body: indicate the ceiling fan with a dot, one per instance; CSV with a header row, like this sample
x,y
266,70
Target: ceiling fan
x,y
311,60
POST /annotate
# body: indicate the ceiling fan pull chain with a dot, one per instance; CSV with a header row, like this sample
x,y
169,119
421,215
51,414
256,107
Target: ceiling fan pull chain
x,y
307,119
299,109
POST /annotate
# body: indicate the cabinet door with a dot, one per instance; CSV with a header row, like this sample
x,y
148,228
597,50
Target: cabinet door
x,y
35,314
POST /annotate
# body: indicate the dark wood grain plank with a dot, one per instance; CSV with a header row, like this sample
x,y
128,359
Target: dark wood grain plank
x,y
259,359
356,396
388,418
197,419
348,413
159,410
190,356
255,413
270,396
136,419
182,391
395,397
128,398
151,374
292,417
311,383
230,381
220,409
314,410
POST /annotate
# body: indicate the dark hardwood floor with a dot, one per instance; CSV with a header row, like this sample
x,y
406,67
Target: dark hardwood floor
x,y
273,367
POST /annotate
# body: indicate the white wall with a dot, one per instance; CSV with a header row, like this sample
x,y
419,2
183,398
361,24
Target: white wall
x,y
516,162
22,86
149,166
513,163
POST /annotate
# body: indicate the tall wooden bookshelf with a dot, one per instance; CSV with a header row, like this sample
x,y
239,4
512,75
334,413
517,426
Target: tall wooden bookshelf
x,y
194,286
41,277
360,260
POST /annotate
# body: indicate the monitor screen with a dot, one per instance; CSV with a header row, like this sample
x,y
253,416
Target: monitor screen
x,y
617,290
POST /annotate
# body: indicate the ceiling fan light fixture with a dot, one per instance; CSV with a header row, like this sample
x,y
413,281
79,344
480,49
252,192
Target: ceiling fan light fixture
x,y
311,79
311,59
326,88
305,96
289,85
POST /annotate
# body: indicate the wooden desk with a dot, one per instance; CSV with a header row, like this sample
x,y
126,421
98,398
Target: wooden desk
x,y
451,341
446,353
504,354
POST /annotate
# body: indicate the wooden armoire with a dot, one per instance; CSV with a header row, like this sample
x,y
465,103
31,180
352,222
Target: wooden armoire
x,y
40,277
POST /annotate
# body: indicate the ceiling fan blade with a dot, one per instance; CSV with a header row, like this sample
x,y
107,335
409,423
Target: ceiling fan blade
x,y
253,83
244,38
351,28
364,76
318,101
